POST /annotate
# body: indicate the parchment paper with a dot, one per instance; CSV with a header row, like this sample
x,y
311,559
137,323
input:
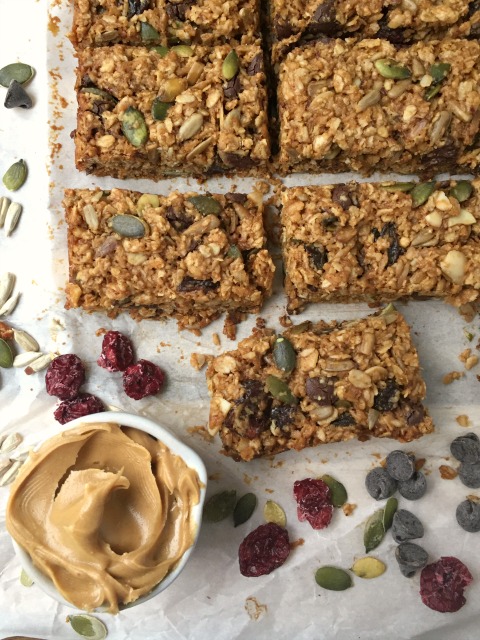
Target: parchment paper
x,y
211,599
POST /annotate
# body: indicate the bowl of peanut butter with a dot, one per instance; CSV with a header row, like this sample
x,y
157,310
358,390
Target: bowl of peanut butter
x,y
105,514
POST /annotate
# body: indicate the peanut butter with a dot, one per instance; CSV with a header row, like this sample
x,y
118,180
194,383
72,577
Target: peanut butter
x,y
104,512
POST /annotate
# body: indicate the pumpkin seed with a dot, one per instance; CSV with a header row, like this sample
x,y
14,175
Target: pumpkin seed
x,y
333,578
25,579
374,531
388,68
134,127
183,50
244,508
190,127
129,226
234,252
13,216
421,193
96,91
17,97
440,71
368,568
388,512
15,176
18,71
206,205
431,92
4,204
231,65
338,493
161,50
404,187
280,390
148,33
160,109
462,190
147,200
273,512
6,355
88,626
284,355
220,506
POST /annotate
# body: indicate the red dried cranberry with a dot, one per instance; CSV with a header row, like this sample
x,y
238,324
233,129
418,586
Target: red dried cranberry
x,y
264,549
85,404
117,352
65,375
142,379
442,584
314,502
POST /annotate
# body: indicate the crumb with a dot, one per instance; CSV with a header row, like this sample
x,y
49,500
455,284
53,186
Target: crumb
x,y
419,463
463,420
100,332
348,508
214,476
198,360
249,479
262,186
269,490
468,312
447,472
473,498
230,325
6,332
464,355
448,378
260,323
471,362
276,464
285,321
200,431
254,609
377,455
297,543
383,463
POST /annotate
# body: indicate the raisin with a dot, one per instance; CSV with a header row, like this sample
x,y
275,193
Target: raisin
x,y
65,375
136,7
379,484
318,256
442,584
251,413
314,502
387,398
142,379
400,465
83,405
324,20
264,549
117,352
179,220
321,390
190,284
414,413
283,415
394,251
414,488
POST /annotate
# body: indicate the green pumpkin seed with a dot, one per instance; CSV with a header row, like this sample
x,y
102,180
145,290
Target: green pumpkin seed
x,y
234,252
220,506
6,355
300,328
160,109
129,226
280,390
421,193
284,355
25,579
431,92
388,68
368,568
333,578
134,127
161,50
96,91
273,512
18,71
462,190
374,531
148,33
231,65
183,50
88,626
404,187
206,205
244,508
338,493
439,71
388,512
15,176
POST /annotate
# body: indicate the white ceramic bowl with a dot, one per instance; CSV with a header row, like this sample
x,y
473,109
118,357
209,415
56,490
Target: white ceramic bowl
x,y
177,447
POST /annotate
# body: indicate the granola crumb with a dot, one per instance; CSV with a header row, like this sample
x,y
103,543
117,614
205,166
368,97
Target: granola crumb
x,y
249,479
6,332
285,321
230,325
269,490
198,360
200,431
463,420
348,508
254,609
260,322
471,362
448,378
100,332
473,498
466,353
419,463
447,472
216,339
215,476
262,186
468,312
297,543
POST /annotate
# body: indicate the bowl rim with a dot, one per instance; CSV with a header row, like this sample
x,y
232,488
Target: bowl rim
x,y
191,458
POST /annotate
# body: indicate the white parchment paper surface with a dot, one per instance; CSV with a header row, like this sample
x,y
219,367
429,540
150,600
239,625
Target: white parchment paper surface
x,y
211,599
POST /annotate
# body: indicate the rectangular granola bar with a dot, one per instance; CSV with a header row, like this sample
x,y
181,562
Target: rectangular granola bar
x,y
142,114
367,105
187,256
164,22
381,242
318,383
296,22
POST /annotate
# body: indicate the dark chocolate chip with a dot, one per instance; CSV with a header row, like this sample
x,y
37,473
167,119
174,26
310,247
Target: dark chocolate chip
x,y
321,390
318,256
341,196
136,7
232,88
17,96
324,20
379,484
237,161
241,198
466,448
387,397
414,488
283,30
410,558
414,413
468,516
256,65
469,474
178,219
441,160
190,284
178,10
345,419
406,526
400,465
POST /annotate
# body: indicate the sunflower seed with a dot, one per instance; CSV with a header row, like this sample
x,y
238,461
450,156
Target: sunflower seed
x,y
17,97
201,146
195,72
206,205
7,282
440,126
25,340
462,190
25,358
388,68
148,33
10,473
399,88
244,508
273,512
134,127
40,363
220,506
4,204
6,355
369,100
129,226
423,238
15,175
231,65
368,568
88,626
18,71
11,442
11,219
107,37
90,216
9,305
333,578
190,127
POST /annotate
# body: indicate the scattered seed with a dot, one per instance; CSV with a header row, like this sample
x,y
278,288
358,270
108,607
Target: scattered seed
x,y
88,626
134,127
369,99
206,205
421,193
40,363
388,512
338,493
333,578
17,97
462,190
273,512
388,68
26,358
11,442
201,146
4,204
280,390
9,305
11,219
15,175
190,127
160,109
183,50
399,88
368,568
404,187
4,465
148,33
244,508
284,355
18,71
25,579
220,506
231,65
374,531
6,355
10,473
7,282
129,226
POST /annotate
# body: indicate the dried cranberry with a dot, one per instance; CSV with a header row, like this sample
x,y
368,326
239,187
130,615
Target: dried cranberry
x,y
85,404
264,549
442,584
142,379
117,352
314,503
65,375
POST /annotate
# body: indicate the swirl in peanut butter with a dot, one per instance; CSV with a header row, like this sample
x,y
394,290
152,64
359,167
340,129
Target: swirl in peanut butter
x,y
105,512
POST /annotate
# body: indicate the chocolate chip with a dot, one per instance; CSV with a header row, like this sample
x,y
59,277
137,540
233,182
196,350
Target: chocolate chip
x,y
283,30
178,219
233,88
241,198
256,65
324,19
345,419
341,196
283,415
190,284
318,256
136,7
321,390
387,397
178,10
17,97
395,36
251,413
237,161
414,413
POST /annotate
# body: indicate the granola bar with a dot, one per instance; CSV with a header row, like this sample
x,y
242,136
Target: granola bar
x,y
362,106
299,21
164,22
316,384
186,256
378,242
145,114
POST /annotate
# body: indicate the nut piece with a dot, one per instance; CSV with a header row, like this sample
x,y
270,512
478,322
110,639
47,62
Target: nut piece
x,y
453,266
